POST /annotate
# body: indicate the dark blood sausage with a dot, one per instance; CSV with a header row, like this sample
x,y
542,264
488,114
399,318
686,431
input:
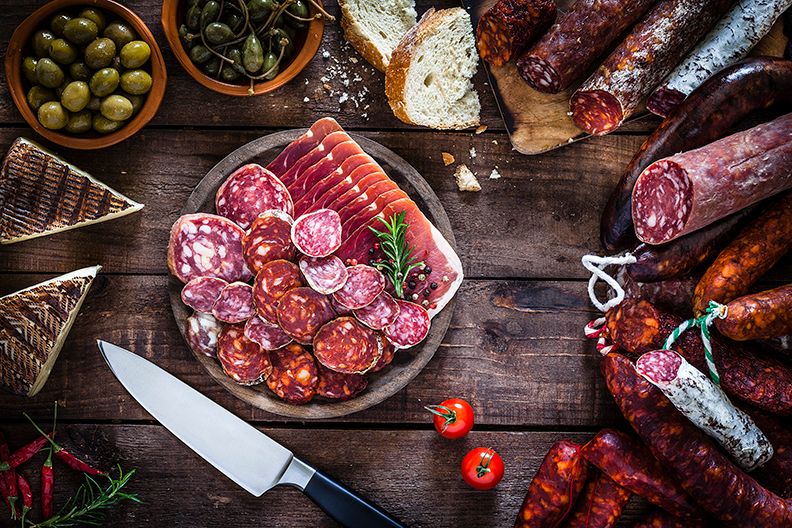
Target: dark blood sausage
x,y
761,315
294,377
242,360
630,464
249,191
206,245
555,487
269,336
272,283
699,466
339,386
364,283
382,312
302,312
756,249
324,274
235,303
202,292
268,239
410,327
201,331
346,346
678,195
600,505
663,519
388,353
510,25
710,113
651,50
582,35
317,234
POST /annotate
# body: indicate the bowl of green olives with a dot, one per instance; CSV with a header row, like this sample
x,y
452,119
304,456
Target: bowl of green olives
x,y
85,74
244,47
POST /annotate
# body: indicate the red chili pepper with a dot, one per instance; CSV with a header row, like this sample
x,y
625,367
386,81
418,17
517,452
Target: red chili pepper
x,y
66,456
23,454
47,487
8,477
25,492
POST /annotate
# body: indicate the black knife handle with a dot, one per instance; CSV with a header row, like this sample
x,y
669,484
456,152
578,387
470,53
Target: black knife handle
x,y
345,506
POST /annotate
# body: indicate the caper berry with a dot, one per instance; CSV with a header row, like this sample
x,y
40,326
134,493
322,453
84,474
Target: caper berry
x,y
200,55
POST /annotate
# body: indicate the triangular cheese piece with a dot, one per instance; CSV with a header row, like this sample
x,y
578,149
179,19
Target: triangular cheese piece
x,y
34,323
41,194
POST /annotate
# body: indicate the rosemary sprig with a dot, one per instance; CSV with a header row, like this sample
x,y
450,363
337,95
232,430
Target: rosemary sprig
x,y
90,504
397,263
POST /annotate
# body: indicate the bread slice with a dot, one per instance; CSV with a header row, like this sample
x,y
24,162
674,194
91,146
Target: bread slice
x,y
428,80
374,28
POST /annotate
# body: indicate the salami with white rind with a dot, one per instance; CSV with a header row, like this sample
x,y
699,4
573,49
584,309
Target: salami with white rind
x,y
346,346
269,336
201,293
242,360
268,239
235,303
382,312
324,274
317,234
206,245
201,331
249,191
363,285
411,326
707,406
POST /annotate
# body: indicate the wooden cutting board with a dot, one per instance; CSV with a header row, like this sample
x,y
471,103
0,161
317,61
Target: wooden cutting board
x,y
538,122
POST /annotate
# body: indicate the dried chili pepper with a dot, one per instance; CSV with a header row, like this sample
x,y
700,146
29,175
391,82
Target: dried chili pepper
x,y
26,494
66,456
47,487
23,454
8,477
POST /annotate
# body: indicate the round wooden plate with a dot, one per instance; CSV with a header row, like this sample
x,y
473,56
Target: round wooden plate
x,y
407,363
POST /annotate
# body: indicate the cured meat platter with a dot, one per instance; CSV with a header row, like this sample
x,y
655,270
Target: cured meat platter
x,y
406,363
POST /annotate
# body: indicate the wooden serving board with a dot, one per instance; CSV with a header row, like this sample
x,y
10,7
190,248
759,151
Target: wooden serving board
x,y
538,122
406,364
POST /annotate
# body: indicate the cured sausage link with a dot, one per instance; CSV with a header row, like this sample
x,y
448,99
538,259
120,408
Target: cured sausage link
x,y
708,114
759,316
601,504
510,25
663,519
717,484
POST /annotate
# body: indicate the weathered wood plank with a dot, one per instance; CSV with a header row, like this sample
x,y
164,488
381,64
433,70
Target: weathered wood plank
x,y
515,349
412,474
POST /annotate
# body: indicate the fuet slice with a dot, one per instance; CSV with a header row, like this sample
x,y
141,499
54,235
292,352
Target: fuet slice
x,y
34,323
41,194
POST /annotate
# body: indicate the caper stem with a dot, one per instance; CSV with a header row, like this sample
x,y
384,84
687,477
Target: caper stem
x,y
295,17
211,49
319,8
246,25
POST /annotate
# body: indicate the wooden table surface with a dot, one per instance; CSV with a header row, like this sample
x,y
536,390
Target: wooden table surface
x,y
515,348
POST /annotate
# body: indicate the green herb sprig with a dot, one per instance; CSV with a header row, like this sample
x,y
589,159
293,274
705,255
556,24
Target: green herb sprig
x,y
397,263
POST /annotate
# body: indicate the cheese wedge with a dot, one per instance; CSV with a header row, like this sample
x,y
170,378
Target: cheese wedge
x,y
41,194
34,323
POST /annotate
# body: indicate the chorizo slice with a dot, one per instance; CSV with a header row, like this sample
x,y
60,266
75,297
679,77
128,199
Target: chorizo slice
x,y
510,25
388,353
272,282
302,312
762,315
268,239
346,346
294,377
201,293
339,386
242,360
249,191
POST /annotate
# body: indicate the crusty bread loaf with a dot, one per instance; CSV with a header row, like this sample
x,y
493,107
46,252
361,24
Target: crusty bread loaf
x,y
374,28
428,80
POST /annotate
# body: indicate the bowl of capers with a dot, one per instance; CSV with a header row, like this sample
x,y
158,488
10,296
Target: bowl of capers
x,y
244,47
85,74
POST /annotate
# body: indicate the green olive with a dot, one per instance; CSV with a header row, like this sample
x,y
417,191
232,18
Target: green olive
x,y
120,33
75,96
58,22
99,53
212,67
270,65
135,54
228,73
48,73
79,123
62,51
80,31
29,69
252,54
259,10
200,54
116,108
94,104
52,115
79,71
41,43
105,126
38,95
136,82
104,82
137,102
210,13
218,33
96,16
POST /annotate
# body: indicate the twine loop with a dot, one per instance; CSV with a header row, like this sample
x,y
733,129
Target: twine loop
x,y
713,311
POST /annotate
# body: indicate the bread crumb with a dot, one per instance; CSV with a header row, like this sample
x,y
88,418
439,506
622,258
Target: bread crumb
x,y
495,175
306,99
481,129
494,141
448,158
472,152
466,180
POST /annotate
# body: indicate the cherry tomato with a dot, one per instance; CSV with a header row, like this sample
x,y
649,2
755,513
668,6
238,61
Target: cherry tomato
x,y
453,418
482,468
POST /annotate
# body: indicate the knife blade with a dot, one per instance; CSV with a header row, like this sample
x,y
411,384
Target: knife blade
x,y
257,463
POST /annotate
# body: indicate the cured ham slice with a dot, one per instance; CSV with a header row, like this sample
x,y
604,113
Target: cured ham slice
x,y
362,186
315,155
323,168
341,173
302,145
358,179
372,209
365,198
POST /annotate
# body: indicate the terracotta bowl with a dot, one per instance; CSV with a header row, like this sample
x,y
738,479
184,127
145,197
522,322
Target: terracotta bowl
x,y
173,16
13,69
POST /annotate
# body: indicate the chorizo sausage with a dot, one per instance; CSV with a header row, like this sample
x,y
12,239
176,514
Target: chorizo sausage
x,y
601,504
776,475
761,315
671,295
663,519
510,25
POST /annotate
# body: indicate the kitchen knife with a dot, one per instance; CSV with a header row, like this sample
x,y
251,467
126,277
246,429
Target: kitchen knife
x,y
257,463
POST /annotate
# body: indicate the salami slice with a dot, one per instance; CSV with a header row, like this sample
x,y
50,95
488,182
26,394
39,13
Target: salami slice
x,y
680,194
269,336
272,282
388,353
302,312
201,293
248,192
317,234
339,308
268,239
411,326
201,331
324,274
294,377
235,303
206,245
338,386
345,345
508,26
363,285
242,360
382,312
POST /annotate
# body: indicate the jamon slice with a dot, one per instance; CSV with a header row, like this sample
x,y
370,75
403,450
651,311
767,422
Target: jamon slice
x,y
371,210
41,194
316,154
323,168
302,145
355,179
365,198
34,323
355,191
341,172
